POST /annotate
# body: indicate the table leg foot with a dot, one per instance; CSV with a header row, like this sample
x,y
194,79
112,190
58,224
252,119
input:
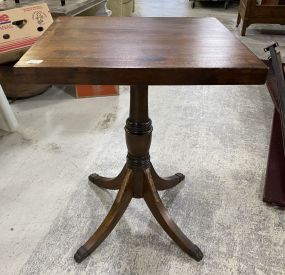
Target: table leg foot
x,y
118,208
108,183
160,213
81,254
167,182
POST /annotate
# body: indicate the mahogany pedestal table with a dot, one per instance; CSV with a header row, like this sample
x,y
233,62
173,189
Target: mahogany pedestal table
x,y
139,52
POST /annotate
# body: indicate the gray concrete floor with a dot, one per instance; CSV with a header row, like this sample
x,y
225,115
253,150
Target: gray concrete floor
x,y
44,167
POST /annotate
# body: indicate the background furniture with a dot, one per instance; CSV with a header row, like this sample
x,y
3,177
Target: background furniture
x,y
194,2
273,2
251,13
61,1
270,2
71,7
274,189
151,51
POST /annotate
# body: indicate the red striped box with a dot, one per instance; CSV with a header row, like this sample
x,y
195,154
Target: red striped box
x,y
20,28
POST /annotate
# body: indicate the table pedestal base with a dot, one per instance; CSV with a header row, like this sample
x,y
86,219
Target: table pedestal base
x,y
138,179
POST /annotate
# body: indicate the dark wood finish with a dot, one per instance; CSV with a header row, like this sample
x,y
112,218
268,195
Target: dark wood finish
x,y
139,180
194,3
139,52
277,67
12,91
270,2
108,183
134,50
165,183
251,13
57,7
274,189
118,208
158,210
273,2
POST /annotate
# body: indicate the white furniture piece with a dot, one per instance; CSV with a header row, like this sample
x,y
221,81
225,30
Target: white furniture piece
x,y
8,121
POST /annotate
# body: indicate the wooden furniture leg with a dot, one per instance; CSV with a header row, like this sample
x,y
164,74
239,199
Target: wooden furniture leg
x,y
274,190
118,208
238,20
158,210
166,183
226,4
138,179
108,183
243,29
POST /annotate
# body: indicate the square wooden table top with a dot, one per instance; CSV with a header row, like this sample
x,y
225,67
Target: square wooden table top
x,y
139,50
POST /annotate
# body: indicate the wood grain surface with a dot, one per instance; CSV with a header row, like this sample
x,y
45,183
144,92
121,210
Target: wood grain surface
x,y
140,50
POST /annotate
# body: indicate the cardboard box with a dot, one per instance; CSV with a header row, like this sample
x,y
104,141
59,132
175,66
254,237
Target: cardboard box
x,y
20,28
96,90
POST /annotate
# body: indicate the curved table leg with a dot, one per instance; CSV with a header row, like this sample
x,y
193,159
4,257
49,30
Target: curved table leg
x,y
117,210
158,210
167,182
108,183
